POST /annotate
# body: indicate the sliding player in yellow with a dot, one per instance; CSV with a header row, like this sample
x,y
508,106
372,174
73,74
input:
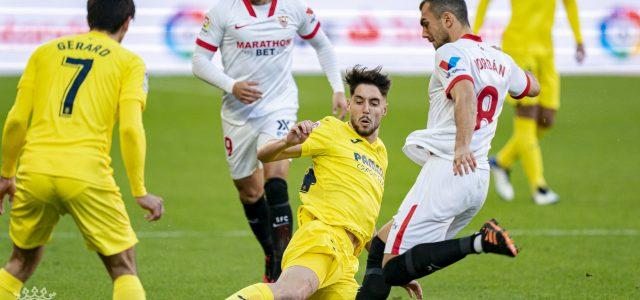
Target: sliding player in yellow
x,y
340,195
528,40
70,96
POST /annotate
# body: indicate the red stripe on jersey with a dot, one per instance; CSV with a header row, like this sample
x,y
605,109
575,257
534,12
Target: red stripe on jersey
x,y
247,3
526,89
206,45
403,227
456,80
272,9
472,37
312,34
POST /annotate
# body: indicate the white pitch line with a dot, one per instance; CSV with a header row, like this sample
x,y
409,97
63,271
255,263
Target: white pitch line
x,y
593,232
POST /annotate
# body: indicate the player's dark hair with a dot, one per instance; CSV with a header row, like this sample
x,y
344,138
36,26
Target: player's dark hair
x,y
361,75
109,15
456,7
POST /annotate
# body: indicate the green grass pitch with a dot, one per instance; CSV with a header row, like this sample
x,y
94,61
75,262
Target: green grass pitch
x,y
584,247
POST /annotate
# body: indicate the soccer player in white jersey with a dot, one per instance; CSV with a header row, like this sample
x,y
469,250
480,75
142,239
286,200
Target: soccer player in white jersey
x,y
260,101
467,90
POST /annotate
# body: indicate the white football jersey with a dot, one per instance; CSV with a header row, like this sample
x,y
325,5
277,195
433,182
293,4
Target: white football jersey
x,y
493,73
256,43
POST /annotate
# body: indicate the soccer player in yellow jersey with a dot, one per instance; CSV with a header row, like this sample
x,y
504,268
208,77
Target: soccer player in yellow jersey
x,y
341,195
528,40
56,143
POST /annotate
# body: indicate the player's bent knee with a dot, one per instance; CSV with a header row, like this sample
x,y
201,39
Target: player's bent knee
x,y
120,264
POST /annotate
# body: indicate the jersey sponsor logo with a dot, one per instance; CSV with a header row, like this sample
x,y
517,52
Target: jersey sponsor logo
x,y
283,128
263,44
284,21
369,166
308,181
452,63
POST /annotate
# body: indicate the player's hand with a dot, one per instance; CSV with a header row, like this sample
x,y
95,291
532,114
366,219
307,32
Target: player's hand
x,y
299,133
246,92
464,162
414,289
153,204
580,53
339,105
7,187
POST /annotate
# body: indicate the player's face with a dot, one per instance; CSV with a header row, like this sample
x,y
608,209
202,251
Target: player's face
x,y
432,28
367,106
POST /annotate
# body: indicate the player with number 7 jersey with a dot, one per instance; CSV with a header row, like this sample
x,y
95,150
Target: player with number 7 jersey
x,y
56,148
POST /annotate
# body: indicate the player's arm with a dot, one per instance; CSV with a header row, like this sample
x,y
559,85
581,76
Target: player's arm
x,y
310,30
202,67
287,147
522,83
571,6
483,5
15,130
133,144
463,96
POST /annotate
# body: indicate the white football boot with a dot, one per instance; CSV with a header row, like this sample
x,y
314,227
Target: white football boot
x,y
501,180
545,196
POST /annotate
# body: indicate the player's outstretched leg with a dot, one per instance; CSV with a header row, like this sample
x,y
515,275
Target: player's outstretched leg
x,y
123,272
427,258
18,270
296,282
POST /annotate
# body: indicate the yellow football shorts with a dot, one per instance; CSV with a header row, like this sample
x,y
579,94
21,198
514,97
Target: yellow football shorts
x,y
542,66
99,213
328,251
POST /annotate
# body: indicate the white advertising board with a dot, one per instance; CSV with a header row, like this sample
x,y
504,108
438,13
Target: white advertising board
x,y
368,32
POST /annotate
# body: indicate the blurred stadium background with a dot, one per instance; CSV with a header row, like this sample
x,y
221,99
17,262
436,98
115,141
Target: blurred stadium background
x,y
584,247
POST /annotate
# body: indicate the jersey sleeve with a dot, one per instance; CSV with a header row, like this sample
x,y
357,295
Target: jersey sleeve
x,y
212,31
309,25
519,82
135,84
451,67
319,139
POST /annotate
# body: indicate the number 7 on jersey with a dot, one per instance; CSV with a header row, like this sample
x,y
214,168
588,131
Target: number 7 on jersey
x,y
83,67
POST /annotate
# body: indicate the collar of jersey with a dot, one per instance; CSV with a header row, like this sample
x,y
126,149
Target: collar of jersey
x,y
364,139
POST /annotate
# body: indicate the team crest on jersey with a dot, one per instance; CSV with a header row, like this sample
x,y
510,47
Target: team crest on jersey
x,y
284,21
452,63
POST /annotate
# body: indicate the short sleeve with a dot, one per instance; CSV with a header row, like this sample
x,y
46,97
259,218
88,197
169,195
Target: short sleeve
x,y
451,67
519,81
135,83
319,139
212,31
309,25
28,78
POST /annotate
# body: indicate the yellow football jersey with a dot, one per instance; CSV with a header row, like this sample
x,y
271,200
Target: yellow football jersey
x,y
78,82
345,185
531,24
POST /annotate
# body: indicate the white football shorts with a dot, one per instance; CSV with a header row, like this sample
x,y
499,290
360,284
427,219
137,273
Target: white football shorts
x,y
241,142
438,205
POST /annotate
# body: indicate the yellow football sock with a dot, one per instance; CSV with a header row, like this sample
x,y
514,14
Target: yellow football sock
x,y
128,287
529,150
9,286
509,153
258,291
